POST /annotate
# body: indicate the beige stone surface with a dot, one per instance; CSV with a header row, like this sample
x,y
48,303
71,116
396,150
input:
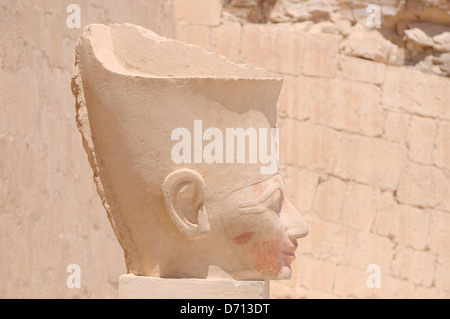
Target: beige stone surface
x,y
404,224
329,199
50,215
351,282
415,266
49,212
416,92
193,34
439,236
427,293
205,12
396,127
300,186
421,185
308,146
442,278
353,107
373,250
421,139
372,161
279,49
442,149
321,55
135,287
360,207
316,275
355,69
304,97
226,40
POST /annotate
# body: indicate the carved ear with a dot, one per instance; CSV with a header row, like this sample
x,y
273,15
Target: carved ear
x,y
184,192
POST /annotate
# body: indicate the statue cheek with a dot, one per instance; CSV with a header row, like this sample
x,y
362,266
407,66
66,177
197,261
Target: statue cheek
x,y
243,239
266,254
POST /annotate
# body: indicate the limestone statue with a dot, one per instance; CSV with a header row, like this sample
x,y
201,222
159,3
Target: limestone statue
x,y
181,142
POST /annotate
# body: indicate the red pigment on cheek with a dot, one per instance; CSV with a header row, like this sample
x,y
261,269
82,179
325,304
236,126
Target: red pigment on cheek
x,y
243,238
266,255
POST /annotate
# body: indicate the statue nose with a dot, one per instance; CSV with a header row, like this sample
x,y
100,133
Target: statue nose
x,y
293,222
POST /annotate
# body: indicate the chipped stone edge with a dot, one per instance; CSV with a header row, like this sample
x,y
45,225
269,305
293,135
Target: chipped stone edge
x,y
117,221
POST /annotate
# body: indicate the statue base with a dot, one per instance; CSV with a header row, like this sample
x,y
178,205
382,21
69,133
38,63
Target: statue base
x,y
136,287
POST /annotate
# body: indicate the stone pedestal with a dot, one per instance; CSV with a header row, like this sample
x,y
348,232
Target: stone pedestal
x,y
135,287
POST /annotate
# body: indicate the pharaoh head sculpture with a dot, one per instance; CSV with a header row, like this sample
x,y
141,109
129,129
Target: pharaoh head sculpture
x,y
182,144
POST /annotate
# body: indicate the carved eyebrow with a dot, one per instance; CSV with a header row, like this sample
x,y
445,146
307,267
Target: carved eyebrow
x,y
269,192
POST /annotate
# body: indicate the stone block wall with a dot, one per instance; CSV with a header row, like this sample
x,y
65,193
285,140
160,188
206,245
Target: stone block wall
x,y
50,213
365,148
365,152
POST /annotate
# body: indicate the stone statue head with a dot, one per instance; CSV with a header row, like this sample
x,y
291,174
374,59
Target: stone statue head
x,y
181,142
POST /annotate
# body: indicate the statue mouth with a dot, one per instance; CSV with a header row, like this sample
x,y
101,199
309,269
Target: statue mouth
x,y
289,254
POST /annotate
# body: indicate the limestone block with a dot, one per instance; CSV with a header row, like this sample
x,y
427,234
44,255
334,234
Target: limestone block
x,y
372,161
415,266
258,43
289,51
330,242
384,218
193,34
316,275
442,279
421,138
439,236
136,287
360,207
357,69
410,226
354,107
206,12
308,146
305,97
368,45
226,40
300,186
321,53
442,150
329,199
424,186
281,290
396,127
419,37
404,224
278,49
351,282
416,92
373,249
429,293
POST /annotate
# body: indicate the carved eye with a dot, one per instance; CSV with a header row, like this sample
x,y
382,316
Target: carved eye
x,y
275,205
272,202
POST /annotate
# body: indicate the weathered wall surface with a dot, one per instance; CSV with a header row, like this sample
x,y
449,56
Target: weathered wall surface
x,y
365,148
50,213
364,142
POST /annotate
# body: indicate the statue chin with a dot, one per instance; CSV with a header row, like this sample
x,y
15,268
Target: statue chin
x,y
183,146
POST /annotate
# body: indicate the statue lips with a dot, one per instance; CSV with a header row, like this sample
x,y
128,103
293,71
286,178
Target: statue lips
x,y
289,254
